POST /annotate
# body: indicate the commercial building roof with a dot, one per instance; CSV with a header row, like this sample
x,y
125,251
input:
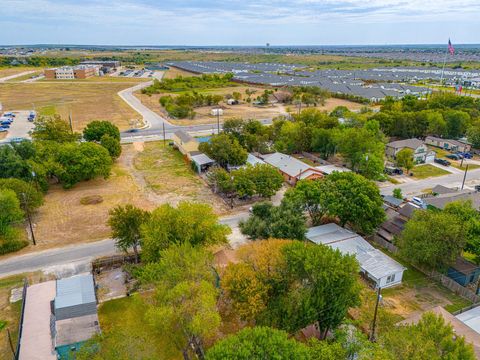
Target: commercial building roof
x,y
371,260
75,290
471,318
408,143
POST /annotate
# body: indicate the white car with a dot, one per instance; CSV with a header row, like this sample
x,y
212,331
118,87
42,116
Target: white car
x,y
419,202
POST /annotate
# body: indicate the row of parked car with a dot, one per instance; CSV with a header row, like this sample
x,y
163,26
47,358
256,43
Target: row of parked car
x,y
6,120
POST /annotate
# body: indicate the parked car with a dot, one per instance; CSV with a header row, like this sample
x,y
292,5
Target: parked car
x,y
454,156
419,202
442,162
389,170
6,126
5,122
465,155
9,114
2,129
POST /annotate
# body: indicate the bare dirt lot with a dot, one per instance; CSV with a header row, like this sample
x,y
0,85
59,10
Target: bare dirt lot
x,y
7,71
86,100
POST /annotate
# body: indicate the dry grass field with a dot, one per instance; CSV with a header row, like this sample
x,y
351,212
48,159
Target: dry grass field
x,y
173,72
7,71
86,100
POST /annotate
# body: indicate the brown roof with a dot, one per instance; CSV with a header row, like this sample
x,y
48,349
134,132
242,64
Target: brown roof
x,y
471,336
443,200
407,210
464,266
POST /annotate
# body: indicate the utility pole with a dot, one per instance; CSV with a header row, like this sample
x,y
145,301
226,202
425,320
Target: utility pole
x,y
27,211
218,120
11,343
463,156
70,121
372,334
163,126
464,176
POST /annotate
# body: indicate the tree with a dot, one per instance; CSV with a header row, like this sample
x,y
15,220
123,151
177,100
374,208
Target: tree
x,y
221,180
324,141
125,222
354,200
405,159
10,211
25,192
268,221
259,343
184,307
473,135
225,150
237,96
432,239
112,145
307,196
266,178
81,161
191,223
12,165
325,286
397,193
53,128
95,130
431,338
243,182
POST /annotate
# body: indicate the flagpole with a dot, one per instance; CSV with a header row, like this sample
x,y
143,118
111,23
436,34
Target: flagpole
x,y
443,68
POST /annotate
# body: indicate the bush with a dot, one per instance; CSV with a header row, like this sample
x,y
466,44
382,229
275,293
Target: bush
x,y
95,130
12,246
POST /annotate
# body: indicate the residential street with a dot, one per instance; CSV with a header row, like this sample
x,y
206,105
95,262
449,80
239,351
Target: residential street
x,y
79,256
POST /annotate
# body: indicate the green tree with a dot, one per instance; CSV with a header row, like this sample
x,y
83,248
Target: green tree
x,y
10,211
225,150
268,221
259,343
307,196
221,180
432,239
354,200
125,222
184,307
81,161
431,338
112,145
405,159
324,141
53,128
397,193
25,192
266,178
191,223
473,135
12,165
95,130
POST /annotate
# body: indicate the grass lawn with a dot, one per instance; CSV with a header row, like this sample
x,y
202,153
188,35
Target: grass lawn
x,y
167,174
456,164
25,77
124,320
87,101
427,170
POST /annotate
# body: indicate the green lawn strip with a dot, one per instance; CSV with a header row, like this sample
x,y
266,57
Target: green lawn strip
x,y
427,170
470,166
49,110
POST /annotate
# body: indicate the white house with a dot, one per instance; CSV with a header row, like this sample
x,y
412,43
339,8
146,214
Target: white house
x,y
382,270
421,154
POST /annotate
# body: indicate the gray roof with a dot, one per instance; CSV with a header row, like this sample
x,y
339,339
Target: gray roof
x,y
75,290
185,137
450,141
286,163
392,200
440,189
74,330
471,318
202,159
253,160
408,143
443,200
371,260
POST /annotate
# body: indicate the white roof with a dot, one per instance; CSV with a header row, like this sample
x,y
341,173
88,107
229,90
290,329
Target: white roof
x,y
253,160
471,318
202,159
371,260
287,164
328,169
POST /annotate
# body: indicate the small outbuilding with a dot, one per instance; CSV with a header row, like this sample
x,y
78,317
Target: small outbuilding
x,y
464,272
184,142
201,162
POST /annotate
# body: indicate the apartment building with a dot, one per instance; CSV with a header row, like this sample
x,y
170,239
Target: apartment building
x,y
72,72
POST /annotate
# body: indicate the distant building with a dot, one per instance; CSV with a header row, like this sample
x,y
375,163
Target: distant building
x,y
72,72
376,266
448,144
420,150
291,168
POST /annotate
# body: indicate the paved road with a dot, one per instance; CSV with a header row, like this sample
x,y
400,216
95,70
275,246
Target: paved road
x,y
451,180
77,256
6,78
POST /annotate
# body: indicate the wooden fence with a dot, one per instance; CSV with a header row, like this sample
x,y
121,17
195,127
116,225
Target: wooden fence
x,y
111,262
434,275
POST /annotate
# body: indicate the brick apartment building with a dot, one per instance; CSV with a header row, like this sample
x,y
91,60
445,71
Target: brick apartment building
x,y
70,73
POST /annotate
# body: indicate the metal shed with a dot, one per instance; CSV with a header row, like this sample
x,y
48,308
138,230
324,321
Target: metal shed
x,y
75,297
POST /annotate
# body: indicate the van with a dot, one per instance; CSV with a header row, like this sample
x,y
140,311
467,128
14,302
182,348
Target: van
x,y
418,201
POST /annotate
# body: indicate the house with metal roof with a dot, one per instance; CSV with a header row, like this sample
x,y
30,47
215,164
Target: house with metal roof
x,y
201,161
376,266
291,168
448,144
184,142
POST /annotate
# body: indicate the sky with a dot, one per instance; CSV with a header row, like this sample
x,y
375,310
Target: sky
x,y
239,22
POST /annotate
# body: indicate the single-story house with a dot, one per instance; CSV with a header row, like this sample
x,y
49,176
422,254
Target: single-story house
x,y
448,144
442,200
464,272
471,318
201,161
291,168
184,142
420,150
376,266
253,160
328,169
459,327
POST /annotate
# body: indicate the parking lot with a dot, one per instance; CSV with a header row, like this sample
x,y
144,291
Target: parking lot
x,y
134,73
19,128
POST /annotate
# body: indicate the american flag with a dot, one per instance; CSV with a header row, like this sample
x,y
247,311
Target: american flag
x,y
451,50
